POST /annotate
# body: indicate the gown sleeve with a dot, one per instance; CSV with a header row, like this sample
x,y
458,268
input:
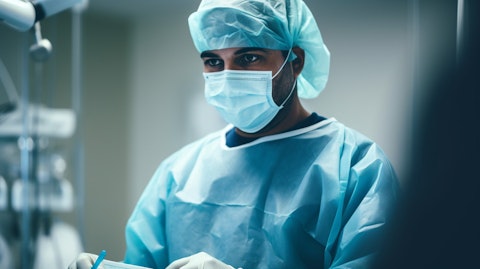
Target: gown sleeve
x,y
370,189
145,229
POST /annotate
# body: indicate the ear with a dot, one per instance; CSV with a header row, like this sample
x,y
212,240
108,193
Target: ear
x,y
297,64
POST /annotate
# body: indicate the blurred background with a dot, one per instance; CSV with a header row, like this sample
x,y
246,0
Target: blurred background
x,y
122,89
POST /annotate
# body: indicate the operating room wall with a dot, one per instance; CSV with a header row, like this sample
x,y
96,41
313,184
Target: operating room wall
x,y
107,83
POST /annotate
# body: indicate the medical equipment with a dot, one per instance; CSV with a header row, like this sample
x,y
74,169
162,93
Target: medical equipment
x,y
99,259
34,145
42,48
8,94
57,244
5,254
92,261
22,15
52,122
3,194
107,264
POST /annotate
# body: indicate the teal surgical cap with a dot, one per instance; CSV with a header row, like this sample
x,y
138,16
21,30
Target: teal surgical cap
x,y
269,24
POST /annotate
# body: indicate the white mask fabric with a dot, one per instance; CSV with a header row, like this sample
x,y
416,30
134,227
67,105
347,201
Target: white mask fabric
x,y
243,98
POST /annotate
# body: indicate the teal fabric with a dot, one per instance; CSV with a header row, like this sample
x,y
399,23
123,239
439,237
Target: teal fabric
x,y
316,197
270,24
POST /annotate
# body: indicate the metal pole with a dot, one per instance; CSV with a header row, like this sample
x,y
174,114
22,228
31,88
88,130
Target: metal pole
x,y
77,103
24,141
460,26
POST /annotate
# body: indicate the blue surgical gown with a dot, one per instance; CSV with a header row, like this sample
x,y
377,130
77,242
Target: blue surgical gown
x,y
316,197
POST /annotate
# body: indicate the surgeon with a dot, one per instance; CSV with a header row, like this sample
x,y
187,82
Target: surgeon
x,y
280,186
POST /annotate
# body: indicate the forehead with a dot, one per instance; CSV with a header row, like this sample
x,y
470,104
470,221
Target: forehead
x,y
229,52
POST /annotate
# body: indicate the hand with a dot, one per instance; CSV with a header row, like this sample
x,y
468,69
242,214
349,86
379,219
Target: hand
x,y
84,261
200,260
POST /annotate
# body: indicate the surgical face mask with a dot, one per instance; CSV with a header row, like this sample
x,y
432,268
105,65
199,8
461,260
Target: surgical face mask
x,y
244,98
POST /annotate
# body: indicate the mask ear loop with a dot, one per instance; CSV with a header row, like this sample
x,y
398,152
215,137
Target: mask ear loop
x,y
294,83
284,63
290,94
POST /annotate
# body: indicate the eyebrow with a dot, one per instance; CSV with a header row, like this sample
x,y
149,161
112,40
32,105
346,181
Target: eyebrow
x,y
240,51
208,54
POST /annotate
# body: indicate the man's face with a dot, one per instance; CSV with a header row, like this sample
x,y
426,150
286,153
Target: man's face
x,y
250,59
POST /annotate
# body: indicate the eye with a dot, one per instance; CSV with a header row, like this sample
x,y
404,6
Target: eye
x,y
213,62
249,58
